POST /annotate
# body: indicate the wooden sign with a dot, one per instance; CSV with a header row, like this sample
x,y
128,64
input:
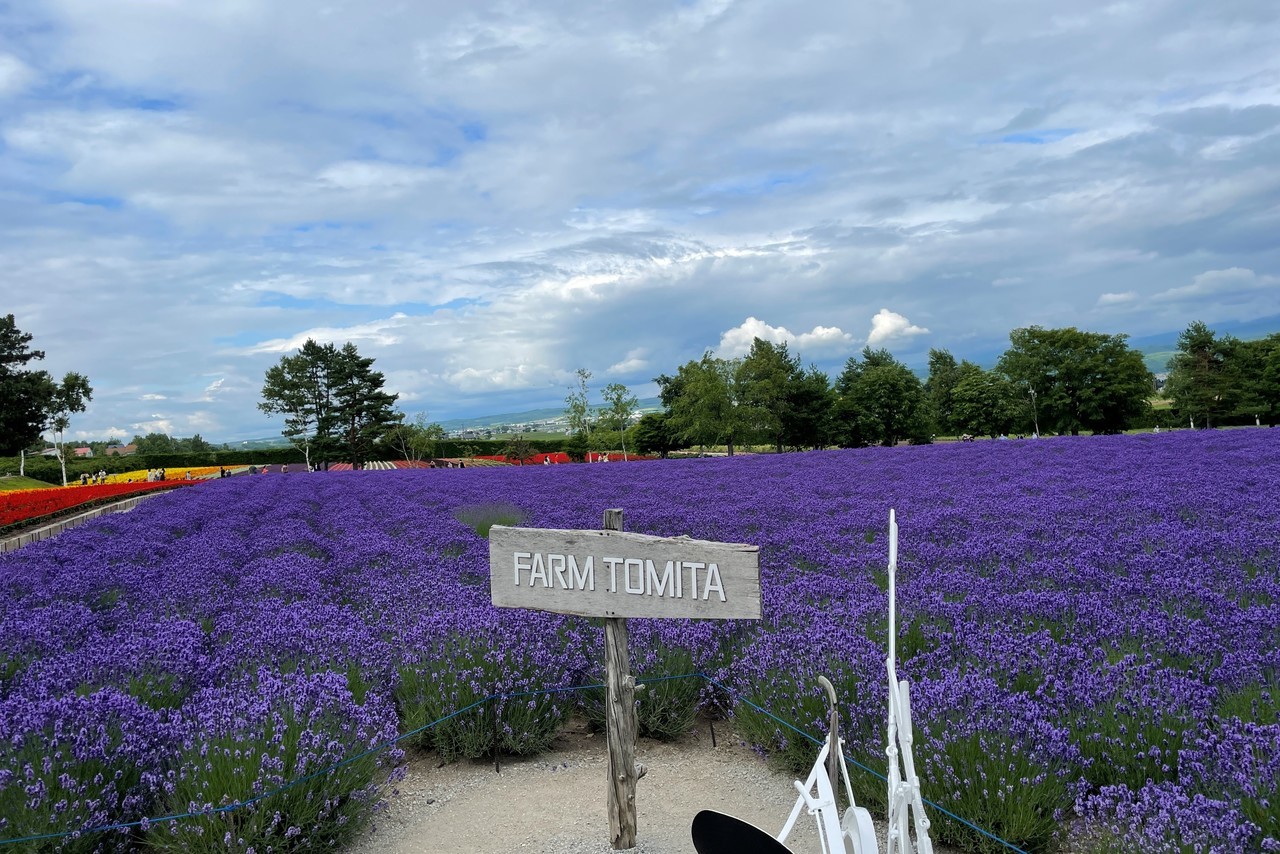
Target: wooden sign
x,y
617,574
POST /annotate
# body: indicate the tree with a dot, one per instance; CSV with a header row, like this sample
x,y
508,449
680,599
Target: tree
x,y
576,447
705,411
24,395
939,389
807,416
1259,371
984,402
414,440
1081,380
65,399
578,407
653,435
879,401
155,443
298,388
764,379
1203,378
332,399
617,416
518,449
669,389
362,410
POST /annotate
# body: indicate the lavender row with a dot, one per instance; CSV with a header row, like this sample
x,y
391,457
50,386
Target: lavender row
x,y
1091,627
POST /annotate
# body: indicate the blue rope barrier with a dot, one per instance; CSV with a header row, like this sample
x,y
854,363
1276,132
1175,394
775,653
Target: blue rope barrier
x,y
511,696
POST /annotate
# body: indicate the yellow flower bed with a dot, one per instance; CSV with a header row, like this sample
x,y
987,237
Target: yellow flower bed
x,y
197,472
140,476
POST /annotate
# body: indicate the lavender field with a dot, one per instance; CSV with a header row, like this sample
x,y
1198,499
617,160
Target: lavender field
x,y
1091,627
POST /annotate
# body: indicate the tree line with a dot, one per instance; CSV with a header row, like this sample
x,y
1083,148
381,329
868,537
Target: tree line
x,y
1067,380
1062,381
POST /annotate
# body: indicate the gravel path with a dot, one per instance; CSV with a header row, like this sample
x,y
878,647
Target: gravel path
x,y
556,802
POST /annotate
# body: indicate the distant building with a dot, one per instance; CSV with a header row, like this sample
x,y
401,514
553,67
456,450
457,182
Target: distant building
x,y
121,450
82,452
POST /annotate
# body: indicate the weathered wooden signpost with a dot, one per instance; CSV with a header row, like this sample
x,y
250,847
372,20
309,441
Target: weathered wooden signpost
x,y
615,575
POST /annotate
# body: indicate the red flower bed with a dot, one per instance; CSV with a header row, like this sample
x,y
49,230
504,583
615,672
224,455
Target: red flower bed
x,y
33,503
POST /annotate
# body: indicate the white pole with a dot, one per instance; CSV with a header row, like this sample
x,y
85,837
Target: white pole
x,y
904,784
893,571
896,836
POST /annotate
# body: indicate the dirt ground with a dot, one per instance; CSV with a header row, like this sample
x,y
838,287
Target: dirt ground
x,y
556,802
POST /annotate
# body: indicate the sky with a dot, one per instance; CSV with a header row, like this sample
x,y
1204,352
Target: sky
x,y
487,196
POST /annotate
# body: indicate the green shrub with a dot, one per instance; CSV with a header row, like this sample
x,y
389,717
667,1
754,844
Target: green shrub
x,y
287,753
995,782
1106,732
1255,702
80,765
447,694
666,708
481,517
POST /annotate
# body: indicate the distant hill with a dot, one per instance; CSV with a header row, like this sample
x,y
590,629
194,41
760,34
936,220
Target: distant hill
x,y
479,422
1246,330
277,441
1157,350
1158,362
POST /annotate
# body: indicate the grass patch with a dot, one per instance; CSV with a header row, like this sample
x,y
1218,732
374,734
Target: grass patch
x,y
13,483
433,694
481,517
994,781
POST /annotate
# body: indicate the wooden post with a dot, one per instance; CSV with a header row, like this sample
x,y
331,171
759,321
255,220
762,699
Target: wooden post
x,y
620,722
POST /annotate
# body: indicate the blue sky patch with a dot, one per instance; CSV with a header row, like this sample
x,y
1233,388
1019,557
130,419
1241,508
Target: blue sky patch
x,y
757,185
110,203
1038,137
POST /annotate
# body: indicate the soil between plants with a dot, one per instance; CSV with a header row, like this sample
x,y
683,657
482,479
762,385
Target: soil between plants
x,y
556,802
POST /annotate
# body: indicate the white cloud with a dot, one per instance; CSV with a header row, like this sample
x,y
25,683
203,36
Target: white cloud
x,y
499,379
1234,281
384,333
635,361
377,177
820,340
212,389
153,397
889,325
15,75
157,424
1110,299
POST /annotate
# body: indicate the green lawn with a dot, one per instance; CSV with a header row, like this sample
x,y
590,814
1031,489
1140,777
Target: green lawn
x,y
10,483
